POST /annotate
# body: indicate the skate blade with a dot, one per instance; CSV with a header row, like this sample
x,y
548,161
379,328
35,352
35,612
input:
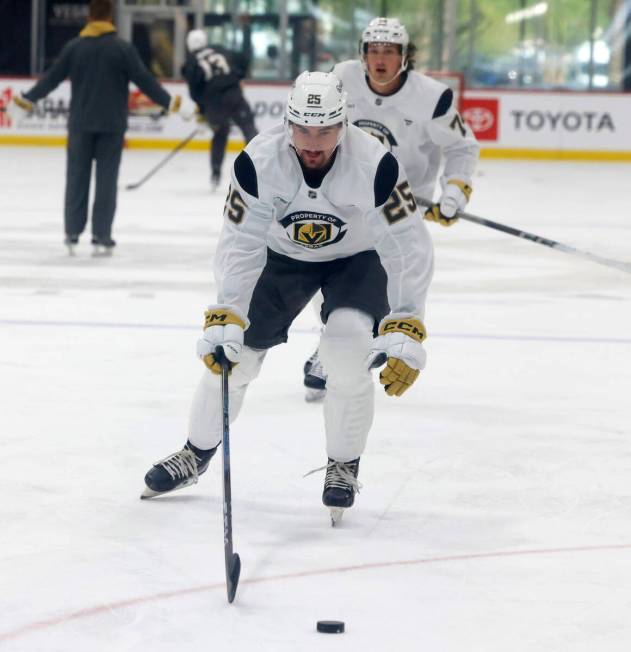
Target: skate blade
x,y
315,395
336,515
72,249
101,252
150,493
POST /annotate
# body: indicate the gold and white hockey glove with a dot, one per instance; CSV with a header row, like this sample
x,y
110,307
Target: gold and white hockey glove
x,y
400,345
184,107
455,196
223,327
20,106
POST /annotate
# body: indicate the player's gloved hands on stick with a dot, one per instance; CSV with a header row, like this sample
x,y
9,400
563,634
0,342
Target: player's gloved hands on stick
x,y
223,327
400,345
21,106
455,196
184,107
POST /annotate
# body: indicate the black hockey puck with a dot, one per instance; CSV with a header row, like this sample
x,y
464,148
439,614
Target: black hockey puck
x,y
330,626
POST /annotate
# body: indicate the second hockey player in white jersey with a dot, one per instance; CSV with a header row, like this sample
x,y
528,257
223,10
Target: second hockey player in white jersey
x,y
315,204
415,117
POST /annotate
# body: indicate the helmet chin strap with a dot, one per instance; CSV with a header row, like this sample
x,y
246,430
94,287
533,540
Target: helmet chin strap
x,y
383,83
342,133
400,71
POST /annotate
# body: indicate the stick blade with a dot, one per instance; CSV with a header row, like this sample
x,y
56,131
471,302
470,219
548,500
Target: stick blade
x,y
232,576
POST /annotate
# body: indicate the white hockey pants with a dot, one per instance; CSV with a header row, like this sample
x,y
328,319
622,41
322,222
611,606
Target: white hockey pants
x,y
205,421
349,402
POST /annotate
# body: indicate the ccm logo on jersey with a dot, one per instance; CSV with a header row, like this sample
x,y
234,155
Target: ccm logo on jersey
x,y
313,230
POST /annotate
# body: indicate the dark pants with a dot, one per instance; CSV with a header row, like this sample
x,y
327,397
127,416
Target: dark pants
x,y
287,285
233,107
84,147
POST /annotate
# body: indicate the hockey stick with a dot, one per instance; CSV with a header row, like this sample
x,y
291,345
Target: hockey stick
x,y
553,244
168,157
148,113
233,562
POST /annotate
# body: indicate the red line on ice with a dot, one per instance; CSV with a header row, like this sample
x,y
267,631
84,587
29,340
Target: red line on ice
x,y
99,609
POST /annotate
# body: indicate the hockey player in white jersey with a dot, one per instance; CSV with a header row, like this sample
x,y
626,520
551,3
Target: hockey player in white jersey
x,y
414,116
314,204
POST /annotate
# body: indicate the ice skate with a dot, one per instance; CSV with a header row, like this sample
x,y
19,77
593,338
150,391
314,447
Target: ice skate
x,y
71,242
315,379
177,471
309,362
215,180
340,487
102,247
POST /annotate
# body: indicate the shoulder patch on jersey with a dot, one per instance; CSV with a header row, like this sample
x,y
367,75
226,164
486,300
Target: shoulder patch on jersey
x,y
444,103
385,178
245,172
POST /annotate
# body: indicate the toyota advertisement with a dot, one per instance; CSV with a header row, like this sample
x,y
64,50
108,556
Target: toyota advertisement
x,y
549,122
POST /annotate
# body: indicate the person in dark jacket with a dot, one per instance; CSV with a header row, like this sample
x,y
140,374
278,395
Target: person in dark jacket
x,y
214,75
100,66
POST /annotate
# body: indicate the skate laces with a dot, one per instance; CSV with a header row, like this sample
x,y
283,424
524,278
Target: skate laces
x,y
317,369
339,474
180,465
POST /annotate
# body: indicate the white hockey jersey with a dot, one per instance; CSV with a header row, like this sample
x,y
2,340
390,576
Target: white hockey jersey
x,y
364,202
417,124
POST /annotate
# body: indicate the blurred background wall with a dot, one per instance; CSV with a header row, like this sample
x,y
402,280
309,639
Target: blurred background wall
x,y
559,44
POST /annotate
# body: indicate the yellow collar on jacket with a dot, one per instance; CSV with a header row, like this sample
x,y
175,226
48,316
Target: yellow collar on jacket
x,y
97,28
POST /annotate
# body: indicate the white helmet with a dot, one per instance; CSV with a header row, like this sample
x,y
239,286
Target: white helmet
x,y
385,30
196,39
316,100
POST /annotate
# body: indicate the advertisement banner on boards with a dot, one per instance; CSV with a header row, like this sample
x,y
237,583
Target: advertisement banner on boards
x,y
551,121
482,115
522,121
145,120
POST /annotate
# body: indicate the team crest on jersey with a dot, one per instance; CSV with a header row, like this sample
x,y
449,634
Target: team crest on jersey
x,y
379,131
313,230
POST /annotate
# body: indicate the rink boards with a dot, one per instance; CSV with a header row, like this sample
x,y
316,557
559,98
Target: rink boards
x,y
508,123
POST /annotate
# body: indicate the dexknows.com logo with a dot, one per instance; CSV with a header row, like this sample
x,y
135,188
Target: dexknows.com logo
x,y
482,115
5,101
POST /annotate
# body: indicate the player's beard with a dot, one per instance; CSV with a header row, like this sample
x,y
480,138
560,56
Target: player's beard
x,y
315,160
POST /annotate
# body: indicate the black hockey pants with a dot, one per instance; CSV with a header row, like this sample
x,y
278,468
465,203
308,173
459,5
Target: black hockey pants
x,y
106,149
236,110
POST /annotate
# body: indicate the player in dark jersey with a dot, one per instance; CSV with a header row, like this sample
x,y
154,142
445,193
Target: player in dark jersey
x,y
214,75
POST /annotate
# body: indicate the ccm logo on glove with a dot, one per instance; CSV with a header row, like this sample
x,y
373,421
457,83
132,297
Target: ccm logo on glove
x,y
400,344
221,318
412,328
223,327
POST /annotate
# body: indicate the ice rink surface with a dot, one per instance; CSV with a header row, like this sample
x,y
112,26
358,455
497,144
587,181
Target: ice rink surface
x,y
495,514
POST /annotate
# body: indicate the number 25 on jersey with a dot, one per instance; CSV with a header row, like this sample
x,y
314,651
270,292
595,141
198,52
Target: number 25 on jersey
x,y
400,204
